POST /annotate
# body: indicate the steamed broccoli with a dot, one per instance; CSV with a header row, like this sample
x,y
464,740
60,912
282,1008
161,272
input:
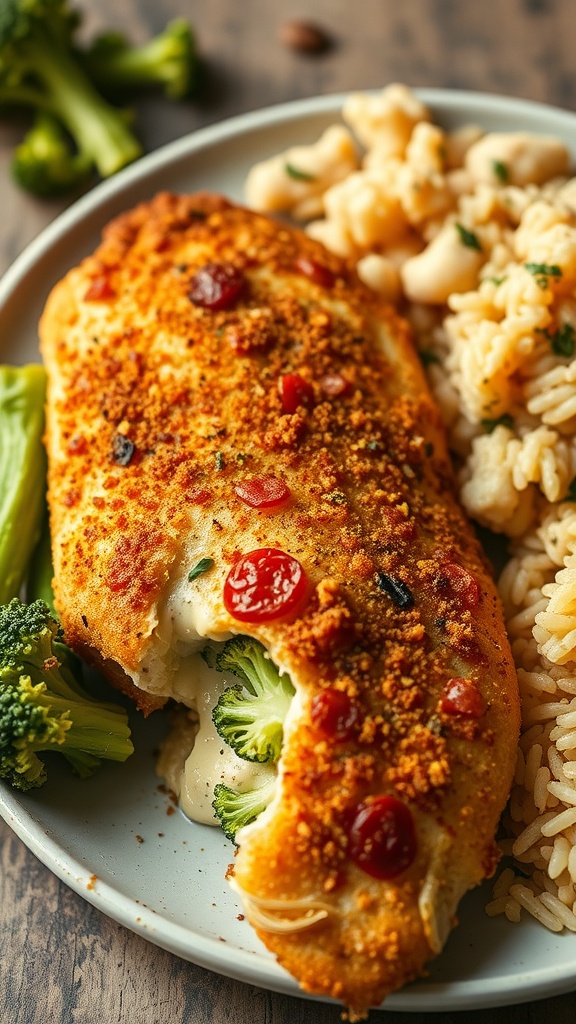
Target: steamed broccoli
x,y
42,705
234,810
250,715
45,162
168,61
22,472
38,67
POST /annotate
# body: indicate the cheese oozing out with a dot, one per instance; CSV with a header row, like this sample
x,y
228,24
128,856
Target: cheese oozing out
x,y
194,758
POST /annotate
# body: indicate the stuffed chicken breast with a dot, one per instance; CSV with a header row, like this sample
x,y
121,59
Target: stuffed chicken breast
x,y
253,513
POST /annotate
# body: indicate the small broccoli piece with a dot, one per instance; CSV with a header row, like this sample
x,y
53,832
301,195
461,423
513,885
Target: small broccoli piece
x,y
250,716
168,61
45,162
39,68
42,705
234,810
22,472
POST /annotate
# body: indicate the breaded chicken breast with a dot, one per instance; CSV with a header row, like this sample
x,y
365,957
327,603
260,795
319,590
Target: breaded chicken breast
x,y
241,441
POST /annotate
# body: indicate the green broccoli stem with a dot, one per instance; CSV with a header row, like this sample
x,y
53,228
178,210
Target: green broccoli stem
x,y
39,583
93,729
82,764
22,472
60,676
25,96
167,60
99,130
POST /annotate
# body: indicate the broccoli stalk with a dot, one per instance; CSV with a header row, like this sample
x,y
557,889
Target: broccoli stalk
x,y
22,472
167,61
45,162
37,65
41,571
249,716
43,707
234,810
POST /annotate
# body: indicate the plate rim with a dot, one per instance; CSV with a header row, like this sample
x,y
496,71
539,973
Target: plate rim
x,y
243,965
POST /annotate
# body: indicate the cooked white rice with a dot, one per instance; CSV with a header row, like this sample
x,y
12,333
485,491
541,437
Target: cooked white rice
x,y
476,234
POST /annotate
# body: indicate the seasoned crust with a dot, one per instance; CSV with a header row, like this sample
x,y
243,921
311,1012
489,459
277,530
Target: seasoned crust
x,y
157,407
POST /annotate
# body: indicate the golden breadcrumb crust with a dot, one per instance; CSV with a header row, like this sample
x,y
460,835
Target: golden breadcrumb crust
x,y
158,407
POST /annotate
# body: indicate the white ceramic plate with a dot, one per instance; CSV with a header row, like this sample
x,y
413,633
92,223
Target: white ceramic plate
x,y
111,838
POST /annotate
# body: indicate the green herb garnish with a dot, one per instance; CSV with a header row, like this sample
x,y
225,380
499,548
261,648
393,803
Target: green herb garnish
x,y
563,341
297,174
200,568
542,271
500,171
468,238
501,421
220,462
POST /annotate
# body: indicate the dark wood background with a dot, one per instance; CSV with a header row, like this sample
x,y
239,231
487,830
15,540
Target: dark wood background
x,y
61,961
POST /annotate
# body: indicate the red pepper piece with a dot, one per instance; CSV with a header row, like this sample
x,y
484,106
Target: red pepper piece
x,y
262,491
100,290
294,392
462,697
315,271
460,583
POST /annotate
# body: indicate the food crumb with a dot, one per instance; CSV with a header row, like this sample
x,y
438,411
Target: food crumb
x,y
304,37
139,839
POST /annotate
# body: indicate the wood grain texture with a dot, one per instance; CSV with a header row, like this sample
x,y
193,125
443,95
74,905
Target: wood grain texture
x,y
62,961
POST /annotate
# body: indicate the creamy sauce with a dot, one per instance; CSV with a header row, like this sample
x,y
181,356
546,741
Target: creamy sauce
x,y
211,760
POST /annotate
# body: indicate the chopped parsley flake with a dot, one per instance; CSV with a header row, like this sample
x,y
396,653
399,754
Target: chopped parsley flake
x,y
200,568
501,421
219,461
297,174
563,341
500,171
468,238
543,271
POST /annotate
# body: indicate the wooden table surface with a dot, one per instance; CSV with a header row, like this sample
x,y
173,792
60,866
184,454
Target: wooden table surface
x,y
62,961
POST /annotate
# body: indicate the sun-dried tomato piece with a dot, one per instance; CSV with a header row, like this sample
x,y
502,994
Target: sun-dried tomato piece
x,y
217,286
264,584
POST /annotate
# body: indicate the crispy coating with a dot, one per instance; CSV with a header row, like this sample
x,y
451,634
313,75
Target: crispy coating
x,y
157,408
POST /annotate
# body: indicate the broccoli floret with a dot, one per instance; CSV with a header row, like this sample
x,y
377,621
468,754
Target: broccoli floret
x,y
38,68
45,162
168,61
43,706
250,716
234,810
22,472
